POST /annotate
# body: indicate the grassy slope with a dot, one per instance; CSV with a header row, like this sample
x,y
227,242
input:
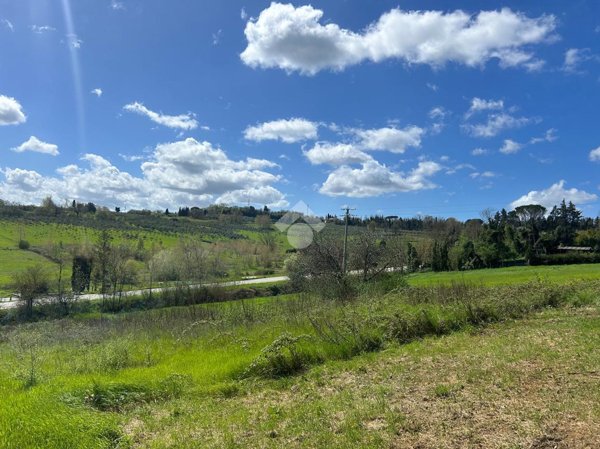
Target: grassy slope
x,y
511,275
376,400
519,384
42,235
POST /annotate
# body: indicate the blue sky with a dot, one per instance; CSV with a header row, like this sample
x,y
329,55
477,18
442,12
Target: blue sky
x,y
399,108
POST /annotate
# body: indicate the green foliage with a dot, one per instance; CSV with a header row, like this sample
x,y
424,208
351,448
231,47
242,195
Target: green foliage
x,y
284,356
119,396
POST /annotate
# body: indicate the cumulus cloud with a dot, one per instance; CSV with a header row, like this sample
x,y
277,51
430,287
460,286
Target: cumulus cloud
x,y
375,179
11,111
595,155
288,131
485,174
574,57
97,92
479,152
438,113
549,136
510,147
183,121
478,105
336,154
41,29
37,146
495,124
294,39
554,195
117,5
73,41
183,172
390,139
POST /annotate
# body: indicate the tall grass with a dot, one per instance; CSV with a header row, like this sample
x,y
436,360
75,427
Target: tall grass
x,y
95,370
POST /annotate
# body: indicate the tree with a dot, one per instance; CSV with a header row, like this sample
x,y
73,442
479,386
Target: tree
x,y
81,274
372,255
102,258
318,268
91,208
60,256
413,261
263,221
30,285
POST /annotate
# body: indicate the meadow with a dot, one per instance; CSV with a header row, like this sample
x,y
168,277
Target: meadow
x,y
237,246
397,366
508,275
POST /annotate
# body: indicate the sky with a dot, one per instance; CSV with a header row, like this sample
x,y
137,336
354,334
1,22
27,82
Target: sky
x,y
400,108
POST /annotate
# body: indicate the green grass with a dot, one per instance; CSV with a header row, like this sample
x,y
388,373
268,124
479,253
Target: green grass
x,y
508,276
14,260
204,376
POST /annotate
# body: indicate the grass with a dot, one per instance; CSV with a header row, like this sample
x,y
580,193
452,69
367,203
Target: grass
x,y
295,371
41,236
508,276
14,260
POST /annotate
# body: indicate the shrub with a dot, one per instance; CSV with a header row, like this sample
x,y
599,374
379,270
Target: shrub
x,y
24,244
283,357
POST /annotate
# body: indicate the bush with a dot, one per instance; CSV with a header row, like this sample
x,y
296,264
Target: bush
x,y
283,357
24,244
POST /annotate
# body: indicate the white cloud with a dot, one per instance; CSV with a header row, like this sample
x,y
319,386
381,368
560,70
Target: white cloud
x,y
495,124
293,39
554,195
41,29
73,41
117,5
180,173
97,92
390,138
288,131
375,179
479,152
216,37
183,121
574,57
37,146
199,168
438,112
336,154
11,111
549,136
453,170
243,14
595,155
510,147
7,24
132,158
485,174
478,105
433,87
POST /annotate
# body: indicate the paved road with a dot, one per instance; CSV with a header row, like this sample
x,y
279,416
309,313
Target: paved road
x,y
8,303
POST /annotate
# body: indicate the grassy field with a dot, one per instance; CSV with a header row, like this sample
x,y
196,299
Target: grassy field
x,y
418,366
511,275
41,236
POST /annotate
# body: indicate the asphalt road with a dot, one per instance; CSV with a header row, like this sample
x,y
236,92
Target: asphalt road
x,y
8,303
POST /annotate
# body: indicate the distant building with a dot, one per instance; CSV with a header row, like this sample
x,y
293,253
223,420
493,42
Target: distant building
x,y
575,249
